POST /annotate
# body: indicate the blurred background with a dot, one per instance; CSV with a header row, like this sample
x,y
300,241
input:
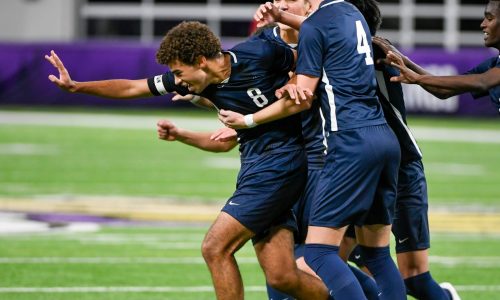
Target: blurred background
x,y
119,38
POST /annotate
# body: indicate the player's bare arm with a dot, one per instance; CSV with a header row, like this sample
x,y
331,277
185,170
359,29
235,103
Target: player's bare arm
x,y
168,131
459,84
114,88
269,13
293,99
409,76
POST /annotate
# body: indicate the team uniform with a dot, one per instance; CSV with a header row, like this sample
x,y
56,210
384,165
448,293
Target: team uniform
x,y
358,183
494,93
312,131
273,161
411,224
363,155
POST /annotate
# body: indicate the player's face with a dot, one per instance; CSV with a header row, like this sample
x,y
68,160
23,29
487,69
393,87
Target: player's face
x,y
191,77
491,25
296,7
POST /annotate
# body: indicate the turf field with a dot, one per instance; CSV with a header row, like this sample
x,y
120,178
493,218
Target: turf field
x,y
47,157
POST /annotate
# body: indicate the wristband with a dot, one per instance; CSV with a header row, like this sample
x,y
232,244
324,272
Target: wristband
x,y
249,121
195,99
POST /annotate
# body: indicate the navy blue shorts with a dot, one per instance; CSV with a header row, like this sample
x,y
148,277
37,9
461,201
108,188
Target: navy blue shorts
x,y
359,181
266,190
302,208
411,223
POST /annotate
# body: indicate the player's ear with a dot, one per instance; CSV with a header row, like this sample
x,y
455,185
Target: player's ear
x,y
202,61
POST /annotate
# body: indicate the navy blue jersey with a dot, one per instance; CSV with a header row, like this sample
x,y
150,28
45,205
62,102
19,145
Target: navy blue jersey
x,y
335,45
494,92
258,68
392,100
312,123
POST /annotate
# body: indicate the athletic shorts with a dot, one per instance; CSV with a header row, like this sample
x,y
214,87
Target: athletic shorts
x,y
359,181
411,223
266,190
302,208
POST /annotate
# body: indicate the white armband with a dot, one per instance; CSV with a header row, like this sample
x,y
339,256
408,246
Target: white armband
x,y
249,121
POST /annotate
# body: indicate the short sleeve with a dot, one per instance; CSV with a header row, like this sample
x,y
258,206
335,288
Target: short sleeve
x,y
479,69
310,51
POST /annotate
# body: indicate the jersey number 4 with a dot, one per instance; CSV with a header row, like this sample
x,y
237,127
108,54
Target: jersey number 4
x,y
258,98
363,44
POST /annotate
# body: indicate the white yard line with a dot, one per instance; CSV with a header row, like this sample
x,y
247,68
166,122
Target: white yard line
x,y
178,289
473,261
207,124
115,260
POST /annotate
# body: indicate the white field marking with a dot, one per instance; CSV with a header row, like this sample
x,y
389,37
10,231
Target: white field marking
x,y
103,120
208,124
222,163
115,260
472,261
122,289
455,169
457,135
28,149
178,289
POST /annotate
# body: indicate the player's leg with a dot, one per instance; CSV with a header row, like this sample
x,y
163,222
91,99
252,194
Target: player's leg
x,y
375,233
275,254
321,254
411,230
350,251
223,239
344,195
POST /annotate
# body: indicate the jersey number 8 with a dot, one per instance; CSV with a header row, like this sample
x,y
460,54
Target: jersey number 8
x,y
258,98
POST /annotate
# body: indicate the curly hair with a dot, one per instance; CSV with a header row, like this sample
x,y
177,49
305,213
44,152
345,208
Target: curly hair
x,y
186,42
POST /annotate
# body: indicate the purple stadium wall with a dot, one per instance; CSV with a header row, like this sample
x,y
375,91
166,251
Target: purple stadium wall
x,y
24,71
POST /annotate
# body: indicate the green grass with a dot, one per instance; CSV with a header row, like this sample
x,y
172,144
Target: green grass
x,y
133,162
163,243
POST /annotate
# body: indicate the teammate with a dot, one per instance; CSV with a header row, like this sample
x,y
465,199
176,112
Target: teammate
x,y
481,80
411,225
273,161
334,45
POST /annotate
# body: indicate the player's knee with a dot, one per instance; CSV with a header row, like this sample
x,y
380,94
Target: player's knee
x,y
282,280
210,250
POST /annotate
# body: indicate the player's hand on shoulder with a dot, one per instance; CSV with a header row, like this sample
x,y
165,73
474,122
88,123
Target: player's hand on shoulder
x,y
224,134
232,119
167,130
64,80
267,13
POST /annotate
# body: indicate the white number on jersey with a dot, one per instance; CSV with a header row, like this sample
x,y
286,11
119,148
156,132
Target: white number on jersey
x,y
258,98
363,45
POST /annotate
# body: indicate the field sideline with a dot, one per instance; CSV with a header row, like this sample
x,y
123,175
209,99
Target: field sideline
x,y
158,199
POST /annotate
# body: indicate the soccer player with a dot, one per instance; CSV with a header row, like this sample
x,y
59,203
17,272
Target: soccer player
x,y
273,165
481,80
411,225
335,60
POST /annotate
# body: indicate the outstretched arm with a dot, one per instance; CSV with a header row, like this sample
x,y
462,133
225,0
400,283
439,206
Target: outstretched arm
x,y
114,88
445,86
202,140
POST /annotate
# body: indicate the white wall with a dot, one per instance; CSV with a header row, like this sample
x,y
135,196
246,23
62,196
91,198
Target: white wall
x,y
37,20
